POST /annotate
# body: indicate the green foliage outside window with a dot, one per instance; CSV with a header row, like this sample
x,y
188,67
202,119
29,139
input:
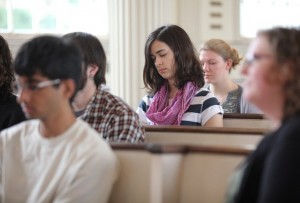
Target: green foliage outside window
x,y
48,22
3,18
22,19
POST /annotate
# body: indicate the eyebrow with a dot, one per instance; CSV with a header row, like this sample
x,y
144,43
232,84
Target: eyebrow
x,y
32,80
159,51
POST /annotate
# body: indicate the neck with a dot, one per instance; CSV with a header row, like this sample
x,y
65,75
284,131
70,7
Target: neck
x,y
223,87
274,112
56,124
84,96
172,90
221,90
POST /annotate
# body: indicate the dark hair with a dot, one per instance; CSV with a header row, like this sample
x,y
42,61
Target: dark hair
x,y
187,64
53,57
7,76
224,50
93,53
285,43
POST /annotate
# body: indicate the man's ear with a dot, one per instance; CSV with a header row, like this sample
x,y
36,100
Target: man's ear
x,y
92,70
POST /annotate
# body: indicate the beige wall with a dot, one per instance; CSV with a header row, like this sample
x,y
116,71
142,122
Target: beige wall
x,y
132,20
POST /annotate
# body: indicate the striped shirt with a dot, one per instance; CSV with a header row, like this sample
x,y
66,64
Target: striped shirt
x,y
203,106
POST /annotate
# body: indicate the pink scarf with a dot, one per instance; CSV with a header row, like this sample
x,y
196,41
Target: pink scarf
x,y
161,113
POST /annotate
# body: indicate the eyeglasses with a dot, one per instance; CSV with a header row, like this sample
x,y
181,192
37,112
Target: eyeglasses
x,y
255,58
37,86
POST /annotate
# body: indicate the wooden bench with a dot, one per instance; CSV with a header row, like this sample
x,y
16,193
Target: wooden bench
x,y
156,173
193,135
246,121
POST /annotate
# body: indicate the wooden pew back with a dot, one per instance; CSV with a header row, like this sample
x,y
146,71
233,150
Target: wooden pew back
x,y
207,171
155,173
246,121
193,135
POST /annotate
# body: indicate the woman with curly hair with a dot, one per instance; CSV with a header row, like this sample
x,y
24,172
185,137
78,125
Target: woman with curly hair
x,y
272,68
174,78
11,112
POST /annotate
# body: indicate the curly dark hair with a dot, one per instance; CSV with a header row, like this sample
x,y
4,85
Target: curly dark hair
x,y
187,64
285,43
7,76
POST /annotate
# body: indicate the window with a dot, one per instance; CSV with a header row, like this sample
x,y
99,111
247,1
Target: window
x,y
261,14
54,16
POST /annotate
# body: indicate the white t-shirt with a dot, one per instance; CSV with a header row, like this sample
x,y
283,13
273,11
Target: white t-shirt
x,y
76,166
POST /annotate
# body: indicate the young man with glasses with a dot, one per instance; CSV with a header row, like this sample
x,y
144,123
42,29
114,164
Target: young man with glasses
x,y
52,157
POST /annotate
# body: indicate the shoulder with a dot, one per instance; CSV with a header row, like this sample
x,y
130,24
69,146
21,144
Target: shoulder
x,y
111,104
291,128
145,102
88,137
204,96
19,131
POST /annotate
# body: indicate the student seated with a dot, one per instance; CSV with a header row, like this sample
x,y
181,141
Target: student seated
x,y
174,78
272,68
218,59
115,120
53,157
11,112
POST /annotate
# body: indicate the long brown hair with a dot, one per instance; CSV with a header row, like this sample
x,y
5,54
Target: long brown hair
x,y
187,64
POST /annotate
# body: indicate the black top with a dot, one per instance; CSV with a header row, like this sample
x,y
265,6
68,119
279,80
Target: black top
x,y
10,112
272,172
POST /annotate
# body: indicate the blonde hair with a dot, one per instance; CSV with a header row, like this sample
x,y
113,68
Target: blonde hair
x,y
224,50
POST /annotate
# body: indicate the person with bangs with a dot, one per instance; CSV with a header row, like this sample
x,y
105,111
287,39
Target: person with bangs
x,y
174,80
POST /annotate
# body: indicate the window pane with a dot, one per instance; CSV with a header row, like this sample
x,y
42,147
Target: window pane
x,y
57,16
261,14
3,18
22,19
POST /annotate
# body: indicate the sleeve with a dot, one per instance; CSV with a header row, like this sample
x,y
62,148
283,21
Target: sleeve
x,y
126,127
92,180
142,109
281,178
210,108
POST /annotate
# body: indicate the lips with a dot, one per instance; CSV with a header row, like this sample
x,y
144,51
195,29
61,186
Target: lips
x,y
163,70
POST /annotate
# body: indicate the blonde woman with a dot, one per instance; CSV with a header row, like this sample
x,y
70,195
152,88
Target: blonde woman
x,y
218,59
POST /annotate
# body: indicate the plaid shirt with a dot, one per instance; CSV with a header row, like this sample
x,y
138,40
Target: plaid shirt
x,y
113,118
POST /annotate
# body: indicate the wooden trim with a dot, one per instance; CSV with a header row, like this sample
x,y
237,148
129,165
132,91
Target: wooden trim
x,y
183,149
126,146
198,129
243,116
221,150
